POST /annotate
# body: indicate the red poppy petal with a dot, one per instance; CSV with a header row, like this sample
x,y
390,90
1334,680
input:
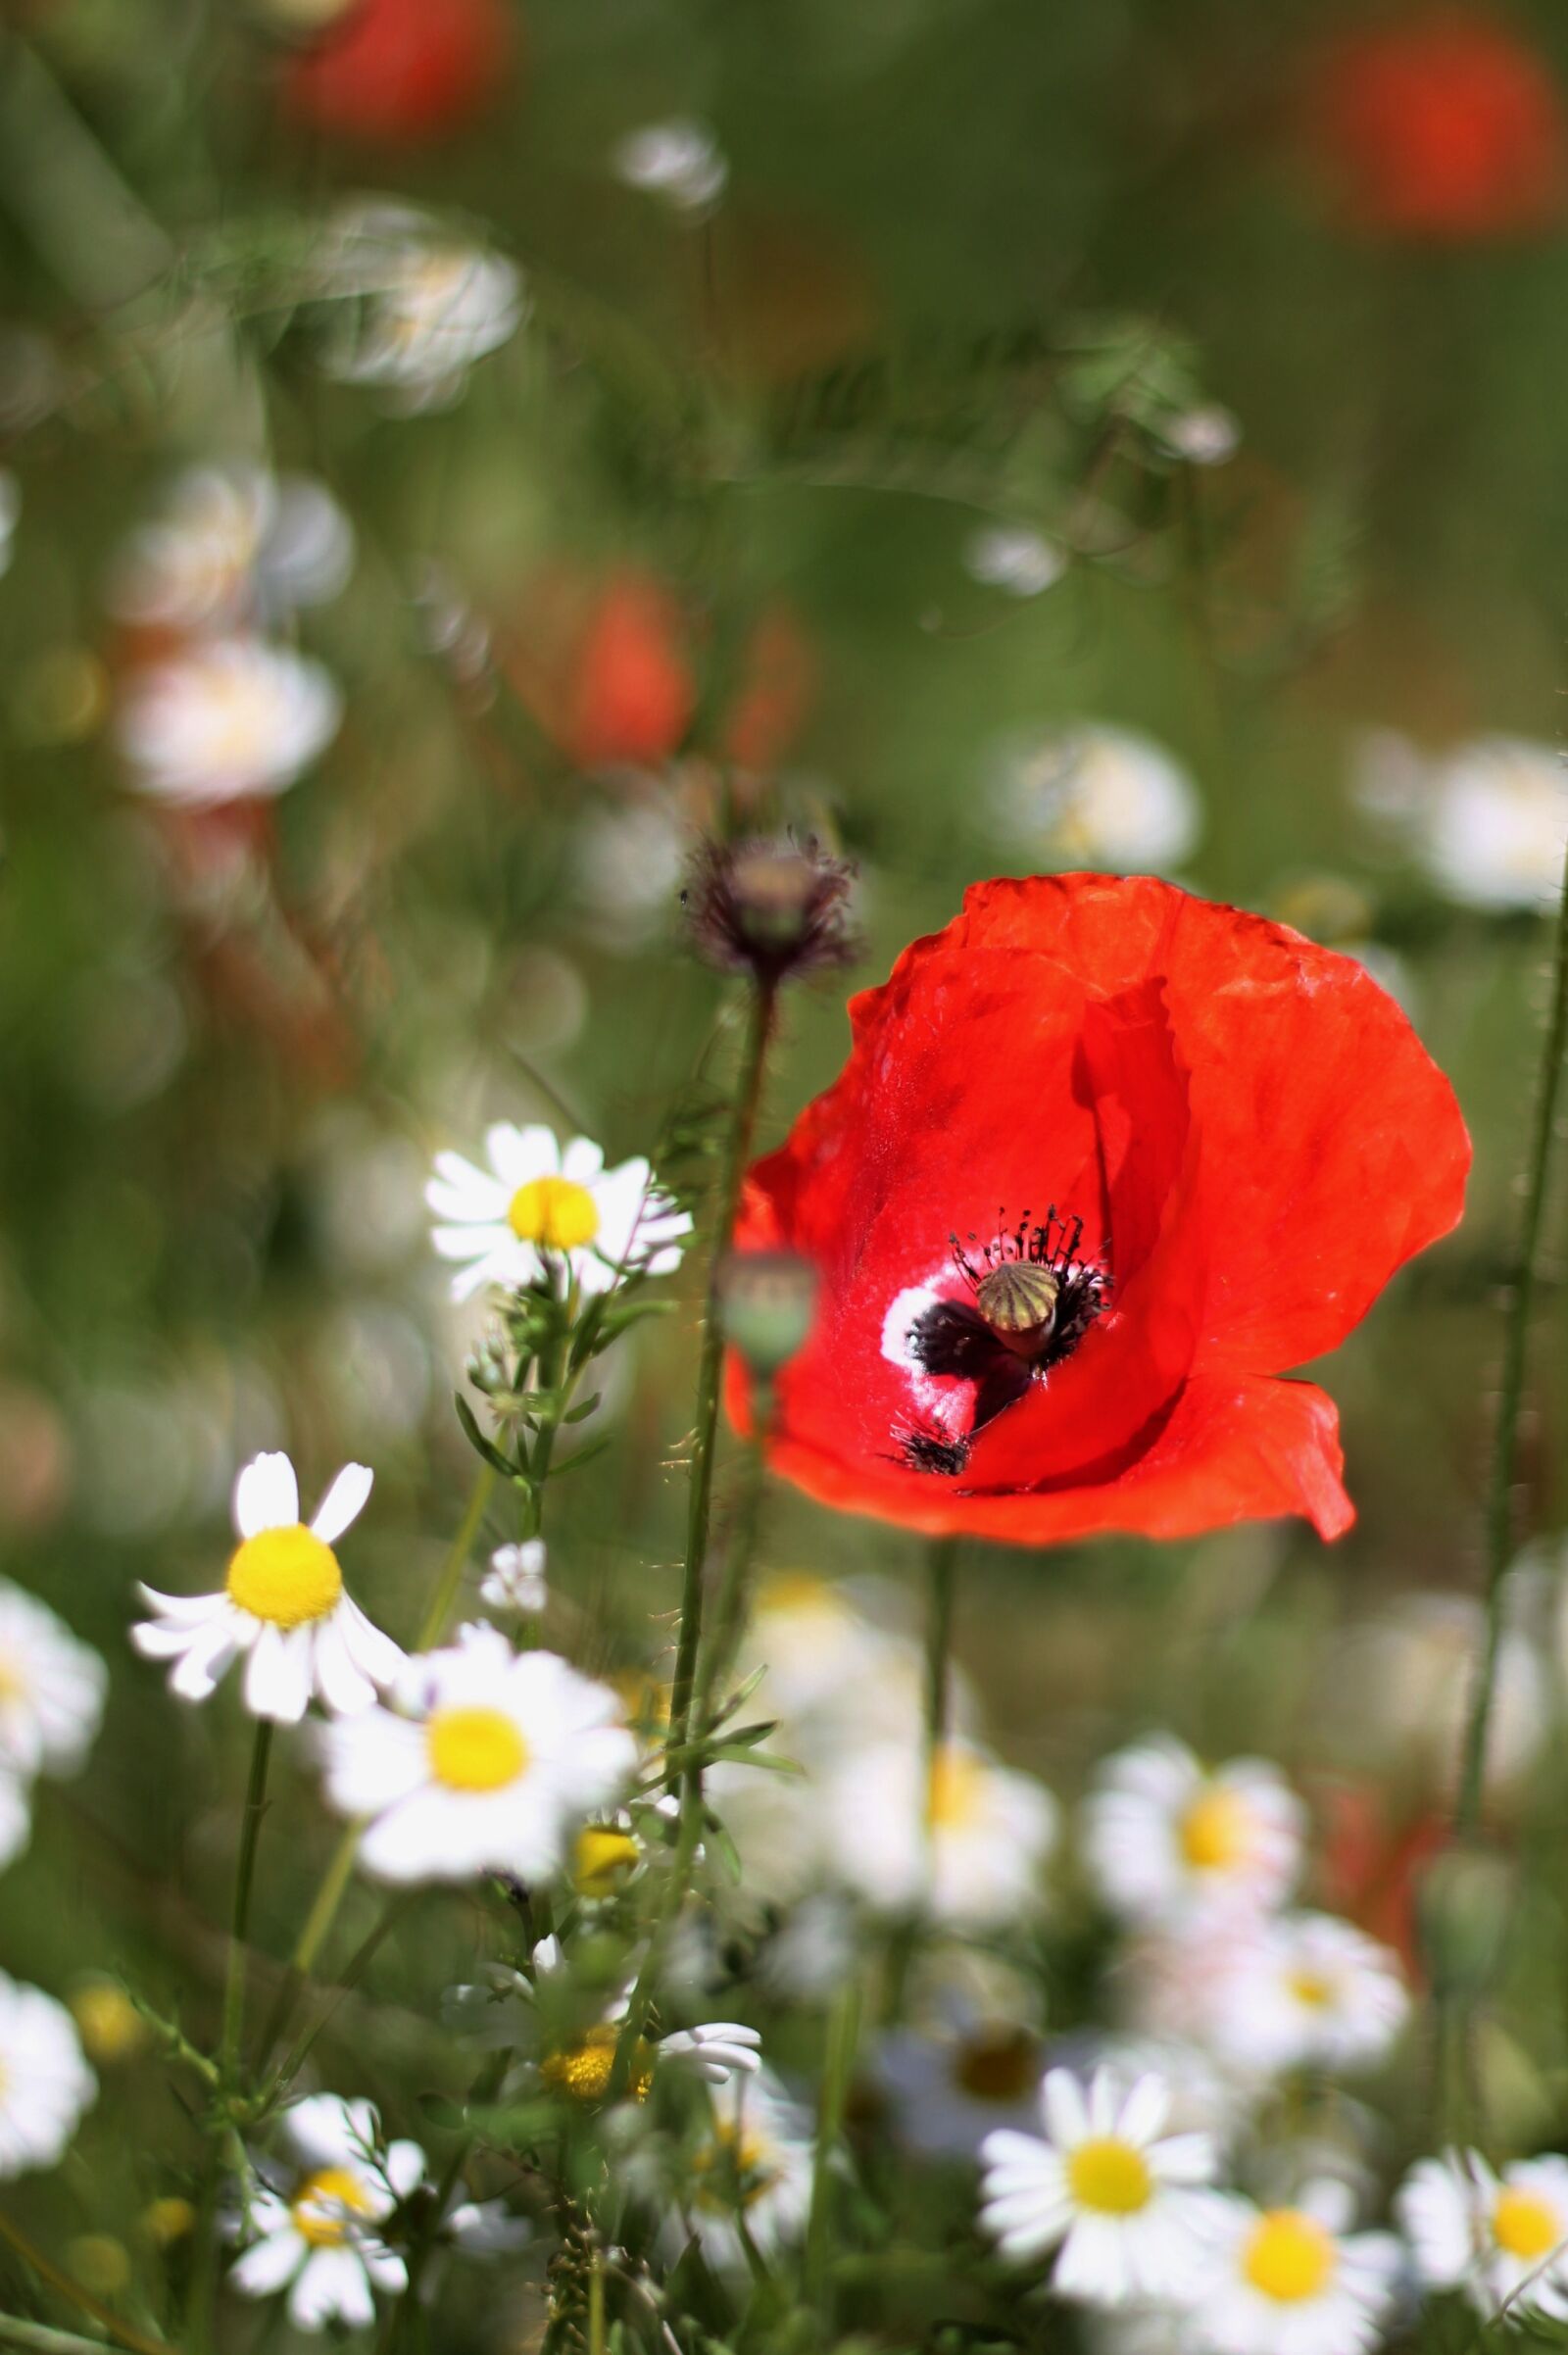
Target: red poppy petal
x,y
1238,1447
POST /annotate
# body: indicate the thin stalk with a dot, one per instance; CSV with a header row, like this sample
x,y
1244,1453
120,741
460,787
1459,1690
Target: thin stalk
x,y
729,1617
244,1877
457,1560
124,2334
843,2034
353,1971
1499,1523
941,1568
596,2303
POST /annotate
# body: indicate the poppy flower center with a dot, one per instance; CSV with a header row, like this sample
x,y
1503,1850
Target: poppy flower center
x,y
1290,2256
1216,1831
1000,2065
474,1750
284,1576
1523,2225
554,1213
584,2069
325,2204
1109,2176
604,1858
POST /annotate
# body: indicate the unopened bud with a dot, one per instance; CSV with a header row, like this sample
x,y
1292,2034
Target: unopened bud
x,y
767,1301
769,907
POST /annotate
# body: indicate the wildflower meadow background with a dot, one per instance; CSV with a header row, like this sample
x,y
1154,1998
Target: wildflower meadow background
x,y
654,1700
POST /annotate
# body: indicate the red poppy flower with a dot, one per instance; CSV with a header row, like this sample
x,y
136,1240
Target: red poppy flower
x,y
1103,1160
402,69
1446,128
632,691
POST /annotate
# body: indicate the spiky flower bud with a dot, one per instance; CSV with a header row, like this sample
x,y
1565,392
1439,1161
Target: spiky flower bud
x,y
769,906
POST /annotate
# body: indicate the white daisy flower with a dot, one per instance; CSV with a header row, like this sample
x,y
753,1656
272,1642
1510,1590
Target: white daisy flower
x,y
949,2091
226,720
755,2163
541,1204
1488,818
680,161
965,1842
1097,796
1117,2196
416,309
717,2051
316,2237
233,543
494,1758
516,1578
1500,2235
1163,1835
1013,558
45,2084
1307,1989
1292,2280
52,1688
820,1646
282,1604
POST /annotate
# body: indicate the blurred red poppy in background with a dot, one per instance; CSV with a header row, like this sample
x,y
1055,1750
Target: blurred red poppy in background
x,y
402,69
632,692
1105,1158
1448,127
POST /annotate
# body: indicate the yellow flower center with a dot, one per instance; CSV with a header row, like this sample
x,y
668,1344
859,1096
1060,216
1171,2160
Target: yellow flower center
x,y
603,1860
1001,2064
13,1683
1312,1989
474,1750
1109,2176
324,2204
554,1213
584,2069
1523,2225
285,1576
1290,2256
954,1792
1216,1831
800,1591
733,2171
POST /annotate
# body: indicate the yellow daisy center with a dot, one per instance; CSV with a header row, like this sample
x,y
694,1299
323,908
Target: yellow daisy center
x,y
1001,2064
733,2170
1290,2256
13,1683
1216,1831
954,1792
285,1576
602,1861
1109,2176
554,1213
474,1750
325,2204
1312,1989
584,2069
1524,2224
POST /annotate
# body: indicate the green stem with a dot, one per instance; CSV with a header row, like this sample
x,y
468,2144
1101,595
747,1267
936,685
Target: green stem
x,y
941,1568
729,1617
457,1561
1510,1397
843,2035
353,1971
122,2333
244,1876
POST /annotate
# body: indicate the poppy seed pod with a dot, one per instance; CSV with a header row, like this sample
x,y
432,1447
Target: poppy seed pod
x,y
766,1301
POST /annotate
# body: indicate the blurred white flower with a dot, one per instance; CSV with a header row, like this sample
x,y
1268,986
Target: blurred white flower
x,y
234,545
1307,1989
52,1688
1397,1690
1163,1835
716,2051
413,310
1013,558
1094,796
516,1578
949,2091
541,1204
45,2084
755,2163
226,720
317,2239
1292,2280
628,861
818,1643
1117,2196
1500,2235
1488,819
966,1841
680,161
491,1760
1207,436
10,516
282,1604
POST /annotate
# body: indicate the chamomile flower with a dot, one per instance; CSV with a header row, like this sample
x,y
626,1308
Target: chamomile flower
x,y
51,1688
1094,796
233,543
516,1578
489,1761
282,1604
315,2231
949,2089
1500,2235
716,2051
966,1841
1292,2280
1307,1989
1117,2198
540,1206
754,2164
415,307
228,719
1488,818
45,2084
1163,1835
